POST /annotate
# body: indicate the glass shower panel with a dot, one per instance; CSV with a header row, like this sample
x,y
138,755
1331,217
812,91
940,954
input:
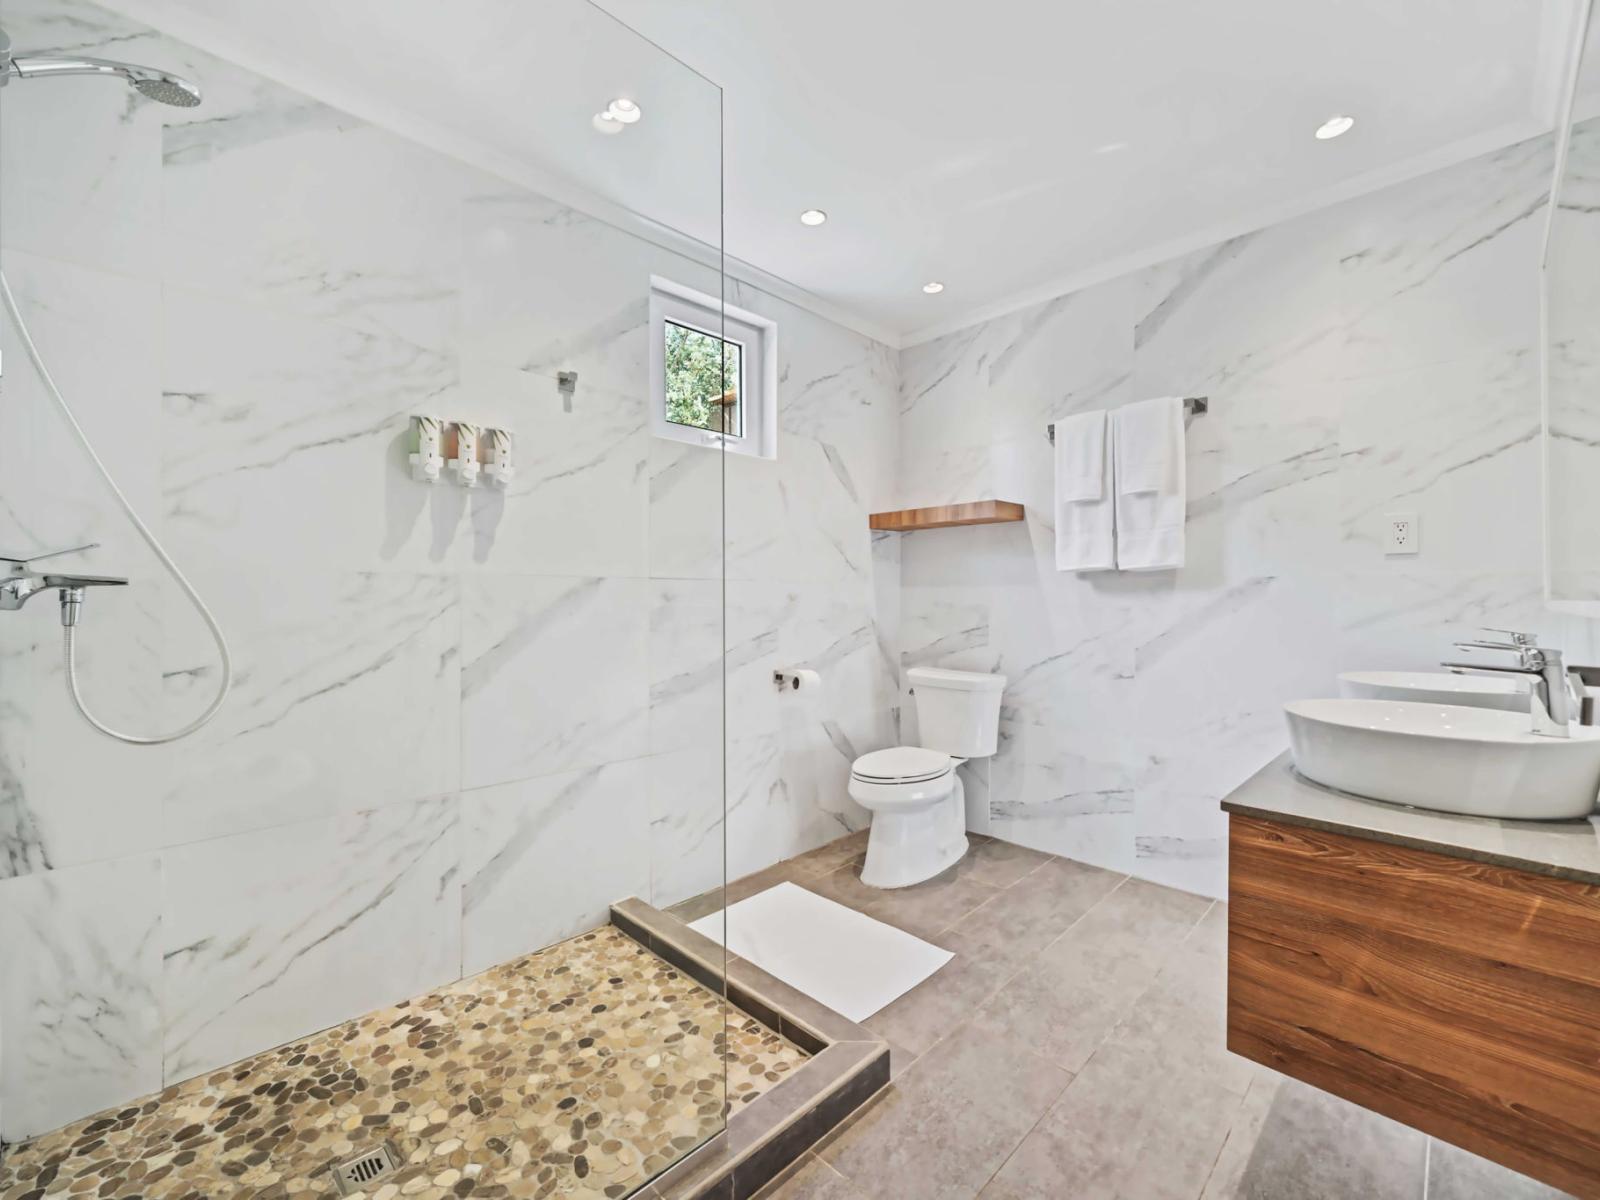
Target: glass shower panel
x,y
1572,354
364,339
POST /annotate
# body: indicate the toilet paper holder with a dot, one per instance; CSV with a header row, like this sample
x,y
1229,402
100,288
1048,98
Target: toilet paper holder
x,y
792,680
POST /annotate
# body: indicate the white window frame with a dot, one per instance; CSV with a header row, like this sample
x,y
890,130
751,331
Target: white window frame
x,y
757,337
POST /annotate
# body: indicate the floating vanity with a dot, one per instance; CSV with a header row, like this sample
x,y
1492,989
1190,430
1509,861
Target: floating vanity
x,y
1442,970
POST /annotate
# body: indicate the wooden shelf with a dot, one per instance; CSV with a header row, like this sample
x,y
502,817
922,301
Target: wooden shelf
x,y
943,516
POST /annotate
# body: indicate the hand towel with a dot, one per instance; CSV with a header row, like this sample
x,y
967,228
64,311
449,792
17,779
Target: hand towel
x,y
1150,483
1085,506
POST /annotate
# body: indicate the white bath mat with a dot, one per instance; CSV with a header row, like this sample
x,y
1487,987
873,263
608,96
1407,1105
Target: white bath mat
x,y
852,963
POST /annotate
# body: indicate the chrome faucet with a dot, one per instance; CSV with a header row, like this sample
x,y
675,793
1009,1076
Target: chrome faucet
x,y
1557,694
23,583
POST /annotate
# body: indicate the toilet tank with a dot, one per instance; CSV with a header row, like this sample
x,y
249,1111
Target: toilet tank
x,y
958,712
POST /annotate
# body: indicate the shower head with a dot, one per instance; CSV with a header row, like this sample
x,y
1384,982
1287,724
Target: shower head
x,y
147,81
164,88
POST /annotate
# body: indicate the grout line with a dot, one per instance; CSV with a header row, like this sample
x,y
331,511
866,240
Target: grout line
x,y
999,891
1048,1109
1227,1139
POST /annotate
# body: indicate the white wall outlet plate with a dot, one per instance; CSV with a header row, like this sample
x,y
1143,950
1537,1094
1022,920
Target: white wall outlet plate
x,y
1402,533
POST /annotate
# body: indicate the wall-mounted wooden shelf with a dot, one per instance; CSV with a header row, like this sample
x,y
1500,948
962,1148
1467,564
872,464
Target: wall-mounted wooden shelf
x,y
943,516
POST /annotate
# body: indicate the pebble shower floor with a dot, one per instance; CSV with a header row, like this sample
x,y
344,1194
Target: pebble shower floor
x,y
580,1071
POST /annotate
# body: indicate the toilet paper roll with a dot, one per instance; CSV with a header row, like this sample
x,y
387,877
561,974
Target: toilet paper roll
x,y
802,681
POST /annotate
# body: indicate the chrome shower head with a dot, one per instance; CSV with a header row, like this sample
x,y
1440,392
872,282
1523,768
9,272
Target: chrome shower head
x,y
160,86
164,88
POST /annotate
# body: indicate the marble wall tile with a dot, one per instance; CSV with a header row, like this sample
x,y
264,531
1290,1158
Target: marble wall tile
x,y
361,230
1371,357
1439,267
687,829
590,311
584,458
269,935
687,537
543,859
713,651
99,203
1574,357
261,405
80,992
554,675
1457,441
52,806
347,697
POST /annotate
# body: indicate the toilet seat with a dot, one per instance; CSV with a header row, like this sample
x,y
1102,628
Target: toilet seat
x,y
902,765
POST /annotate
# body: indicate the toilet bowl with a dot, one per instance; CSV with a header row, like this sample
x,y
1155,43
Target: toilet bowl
x,y
915,796
919,814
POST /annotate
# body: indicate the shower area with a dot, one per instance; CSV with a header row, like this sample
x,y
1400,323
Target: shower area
x,y
398,636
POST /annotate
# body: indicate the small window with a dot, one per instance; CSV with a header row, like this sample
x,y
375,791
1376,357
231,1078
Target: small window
x,y
713,372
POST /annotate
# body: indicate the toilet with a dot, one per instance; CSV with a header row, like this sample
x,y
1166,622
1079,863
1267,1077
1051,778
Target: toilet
x,y
917,801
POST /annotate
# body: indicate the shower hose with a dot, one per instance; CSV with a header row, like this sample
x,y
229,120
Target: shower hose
x,y
150,539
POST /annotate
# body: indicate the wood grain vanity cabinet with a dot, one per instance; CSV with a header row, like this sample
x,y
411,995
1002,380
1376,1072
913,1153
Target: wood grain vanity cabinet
x,y
1456,994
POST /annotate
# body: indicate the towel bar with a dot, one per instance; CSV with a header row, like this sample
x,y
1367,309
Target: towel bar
x,y
1193,406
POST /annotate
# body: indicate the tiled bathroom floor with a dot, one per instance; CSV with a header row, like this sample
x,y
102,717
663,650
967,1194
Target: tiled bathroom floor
x,y
1074,1048
580,1071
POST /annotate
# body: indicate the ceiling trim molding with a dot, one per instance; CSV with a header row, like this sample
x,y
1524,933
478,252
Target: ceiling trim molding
x,y
213,38
1263,218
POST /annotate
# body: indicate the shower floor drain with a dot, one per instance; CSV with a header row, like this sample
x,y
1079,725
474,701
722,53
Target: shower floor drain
x,y
354,1174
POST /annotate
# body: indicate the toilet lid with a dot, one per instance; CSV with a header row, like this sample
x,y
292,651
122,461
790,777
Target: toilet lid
x,y
902,764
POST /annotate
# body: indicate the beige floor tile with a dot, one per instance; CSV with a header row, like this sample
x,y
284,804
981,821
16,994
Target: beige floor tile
x,y
949,1122
1130,1127
1314,1146
998,863
1454,1174
946,1000
845,851
1067,1003
1228,1173
925,909
1016,924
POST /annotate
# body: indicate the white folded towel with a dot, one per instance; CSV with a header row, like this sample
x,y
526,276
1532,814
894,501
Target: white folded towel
x,y
1085,507
1150,484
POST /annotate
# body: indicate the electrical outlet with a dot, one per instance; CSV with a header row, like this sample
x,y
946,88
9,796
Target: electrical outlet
x,y
1402,533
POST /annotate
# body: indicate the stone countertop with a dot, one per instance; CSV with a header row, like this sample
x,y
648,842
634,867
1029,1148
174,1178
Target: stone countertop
x,y
1563,849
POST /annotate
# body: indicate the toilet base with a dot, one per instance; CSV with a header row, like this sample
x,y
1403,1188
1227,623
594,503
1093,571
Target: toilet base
x,y
911,847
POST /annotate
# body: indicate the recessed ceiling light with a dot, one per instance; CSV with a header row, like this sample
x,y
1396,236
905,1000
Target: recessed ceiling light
x,y
813,216
933,288
607,124
1333,127
624,110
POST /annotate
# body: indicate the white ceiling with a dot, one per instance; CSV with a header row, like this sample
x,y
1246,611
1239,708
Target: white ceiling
x,y
970,142
1010,148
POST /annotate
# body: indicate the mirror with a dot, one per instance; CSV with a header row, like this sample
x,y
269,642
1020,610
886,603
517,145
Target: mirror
x,y
1571,321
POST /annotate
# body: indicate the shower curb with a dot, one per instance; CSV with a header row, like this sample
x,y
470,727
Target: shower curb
x,y
848,1066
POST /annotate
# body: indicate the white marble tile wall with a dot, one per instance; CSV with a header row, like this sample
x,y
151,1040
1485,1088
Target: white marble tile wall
x,y
1376,356
1573,279
463,723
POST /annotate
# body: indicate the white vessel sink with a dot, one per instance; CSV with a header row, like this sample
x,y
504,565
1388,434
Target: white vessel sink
x,y
1437,687
1451,758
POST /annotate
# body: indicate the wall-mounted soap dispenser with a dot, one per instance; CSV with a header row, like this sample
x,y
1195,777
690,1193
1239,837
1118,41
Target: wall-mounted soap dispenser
x,y
427,449
465,462
497,459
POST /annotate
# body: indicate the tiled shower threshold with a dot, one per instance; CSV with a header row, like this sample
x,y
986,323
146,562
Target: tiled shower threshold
x,y
848,1065
583,1071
